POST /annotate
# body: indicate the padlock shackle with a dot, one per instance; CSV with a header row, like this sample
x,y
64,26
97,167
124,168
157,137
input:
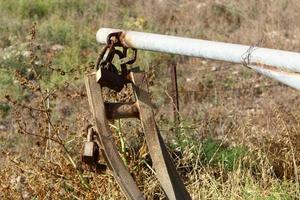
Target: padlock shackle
x,y
90,134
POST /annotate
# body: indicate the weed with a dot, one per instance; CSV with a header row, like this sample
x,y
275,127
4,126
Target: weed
x,y
218,154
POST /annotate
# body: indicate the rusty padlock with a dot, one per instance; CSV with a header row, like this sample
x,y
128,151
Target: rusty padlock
x,y
90,154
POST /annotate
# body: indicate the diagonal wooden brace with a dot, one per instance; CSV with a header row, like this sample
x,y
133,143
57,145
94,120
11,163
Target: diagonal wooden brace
x,y
162,161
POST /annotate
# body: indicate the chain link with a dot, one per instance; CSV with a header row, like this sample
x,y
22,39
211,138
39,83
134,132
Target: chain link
x,y
110,75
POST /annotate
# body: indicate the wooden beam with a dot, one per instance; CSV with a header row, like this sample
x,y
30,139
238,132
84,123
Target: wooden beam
x,y
115,163
166,171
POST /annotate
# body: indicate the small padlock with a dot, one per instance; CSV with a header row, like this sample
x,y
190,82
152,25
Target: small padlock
x,y
90,154
108,77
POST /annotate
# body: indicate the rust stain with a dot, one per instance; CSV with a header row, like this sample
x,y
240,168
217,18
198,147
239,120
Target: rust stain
x,y
274,69
125,40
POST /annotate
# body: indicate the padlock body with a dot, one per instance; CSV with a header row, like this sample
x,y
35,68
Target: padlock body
x,y
110,79
89,151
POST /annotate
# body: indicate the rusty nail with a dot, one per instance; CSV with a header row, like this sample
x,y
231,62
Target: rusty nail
x,y
175,94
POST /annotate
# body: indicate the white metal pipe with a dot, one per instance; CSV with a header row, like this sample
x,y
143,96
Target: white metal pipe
x,y
281,65
289,78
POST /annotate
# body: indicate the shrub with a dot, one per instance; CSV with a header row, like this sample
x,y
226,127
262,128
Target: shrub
x,y
34,8
56,31
4,109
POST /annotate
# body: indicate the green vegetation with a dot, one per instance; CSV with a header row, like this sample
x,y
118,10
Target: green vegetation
x,y
215,153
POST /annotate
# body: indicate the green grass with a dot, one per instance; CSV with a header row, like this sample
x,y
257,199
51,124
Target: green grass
x,y
215,153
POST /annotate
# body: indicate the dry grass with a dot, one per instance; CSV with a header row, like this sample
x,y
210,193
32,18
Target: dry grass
x,y
239,134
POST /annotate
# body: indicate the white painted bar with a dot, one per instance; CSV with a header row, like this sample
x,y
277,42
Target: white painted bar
x,y
281,65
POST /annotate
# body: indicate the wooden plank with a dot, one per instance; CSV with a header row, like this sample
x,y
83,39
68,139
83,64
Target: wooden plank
x,y
162,162
115,163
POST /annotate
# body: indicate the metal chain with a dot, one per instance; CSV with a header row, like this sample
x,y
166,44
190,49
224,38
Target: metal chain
x,y
108,52
111,77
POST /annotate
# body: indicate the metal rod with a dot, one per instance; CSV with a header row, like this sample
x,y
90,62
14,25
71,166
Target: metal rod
x,y
285,64
121,110
175,103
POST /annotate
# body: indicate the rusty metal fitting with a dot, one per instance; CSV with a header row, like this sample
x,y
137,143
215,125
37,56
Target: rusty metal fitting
x,y
121,110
